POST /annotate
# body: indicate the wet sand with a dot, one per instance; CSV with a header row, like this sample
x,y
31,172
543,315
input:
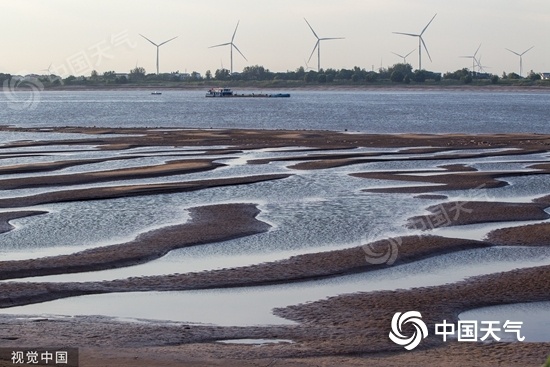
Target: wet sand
x,y
344,330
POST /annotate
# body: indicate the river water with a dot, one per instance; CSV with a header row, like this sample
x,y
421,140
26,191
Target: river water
x,y
309,212
365,111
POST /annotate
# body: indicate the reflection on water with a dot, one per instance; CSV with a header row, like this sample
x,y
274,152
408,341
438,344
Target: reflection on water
x,y
310,211
253,305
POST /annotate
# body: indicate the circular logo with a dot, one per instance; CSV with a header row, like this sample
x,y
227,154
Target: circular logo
x,y
25,99
382,251
413,317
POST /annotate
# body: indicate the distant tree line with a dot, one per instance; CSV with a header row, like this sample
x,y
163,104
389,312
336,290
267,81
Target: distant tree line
x,y
398,73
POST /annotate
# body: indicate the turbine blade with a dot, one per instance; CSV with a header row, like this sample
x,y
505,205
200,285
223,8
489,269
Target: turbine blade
x,y
312,52
426,27
235,32
513,52
310,27
171,39
478,63
236,48
399,55
426,48
222,44
524,52
475,53
148,39
410,52
331,38
407,34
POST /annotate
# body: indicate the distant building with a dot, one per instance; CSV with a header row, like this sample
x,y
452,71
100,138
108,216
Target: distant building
x,y
545,76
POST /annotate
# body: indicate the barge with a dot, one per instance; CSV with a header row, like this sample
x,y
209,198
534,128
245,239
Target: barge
x,y
227,92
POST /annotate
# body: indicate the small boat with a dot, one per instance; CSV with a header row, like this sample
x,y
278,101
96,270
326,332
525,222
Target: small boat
x,y
219,92
156,93
227,92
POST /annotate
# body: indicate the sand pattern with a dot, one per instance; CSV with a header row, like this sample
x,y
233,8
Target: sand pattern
x,y
349,329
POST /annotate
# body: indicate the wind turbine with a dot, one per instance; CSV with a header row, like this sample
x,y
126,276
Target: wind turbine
x,y
231,46
474,60
420,42
48,69
318,45
481,66
307,66
520,58
404,57
158,46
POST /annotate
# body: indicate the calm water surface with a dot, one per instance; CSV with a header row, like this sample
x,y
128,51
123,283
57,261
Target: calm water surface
x,y
365,111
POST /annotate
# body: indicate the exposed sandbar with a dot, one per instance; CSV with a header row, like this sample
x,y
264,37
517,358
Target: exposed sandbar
x,y
212,223
5,218
103,193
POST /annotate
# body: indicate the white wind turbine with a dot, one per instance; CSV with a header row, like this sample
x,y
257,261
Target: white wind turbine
x,y
420,42
404,57
318,45
158,46
307,66
231,46
521,58
474,60
481,66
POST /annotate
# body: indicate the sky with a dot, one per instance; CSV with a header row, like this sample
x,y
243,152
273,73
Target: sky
x,y
76,36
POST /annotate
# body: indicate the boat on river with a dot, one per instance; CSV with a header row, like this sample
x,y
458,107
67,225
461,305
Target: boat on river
x,y
227,92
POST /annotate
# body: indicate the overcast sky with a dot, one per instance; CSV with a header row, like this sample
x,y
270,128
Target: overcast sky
x,y
75,36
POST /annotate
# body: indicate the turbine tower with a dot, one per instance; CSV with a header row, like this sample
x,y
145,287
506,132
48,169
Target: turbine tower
x,y
521,58
231,46
474,60
404,57
158,46
420,42
318,45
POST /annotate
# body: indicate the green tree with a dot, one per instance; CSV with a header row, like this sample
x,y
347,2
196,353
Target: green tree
x,y
221,74
299,73
534,76
419,76
466,79
371,76
208,75
494,79
310,76
397,76
109,76
137,73
404,69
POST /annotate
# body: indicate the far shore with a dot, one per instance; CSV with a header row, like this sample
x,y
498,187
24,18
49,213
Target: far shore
x,y
308,87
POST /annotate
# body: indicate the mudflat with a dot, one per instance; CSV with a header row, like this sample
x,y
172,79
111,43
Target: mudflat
x,y
349,329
